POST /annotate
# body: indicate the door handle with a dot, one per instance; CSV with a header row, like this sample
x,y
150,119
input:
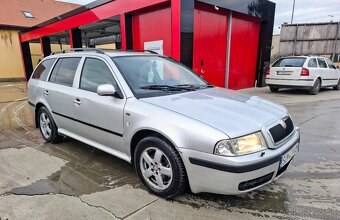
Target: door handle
x,y
77,101
46,92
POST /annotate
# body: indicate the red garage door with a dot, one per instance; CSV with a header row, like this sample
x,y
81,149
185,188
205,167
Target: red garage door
x,y
210,43
243,51
152,25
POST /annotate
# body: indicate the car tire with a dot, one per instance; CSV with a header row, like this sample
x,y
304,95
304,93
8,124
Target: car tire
x,y
274,89
316,87
160,167
47,126
337,87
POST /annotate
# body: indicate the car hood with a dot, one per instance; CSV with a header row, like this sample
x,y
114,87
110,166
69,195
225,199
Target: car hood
x,y
231,112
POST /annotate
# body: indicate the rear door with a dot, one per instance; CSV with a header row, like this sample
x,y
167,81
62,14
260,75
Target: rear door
x,y
334,73
313,68
324,72
99,118
287,68
59,92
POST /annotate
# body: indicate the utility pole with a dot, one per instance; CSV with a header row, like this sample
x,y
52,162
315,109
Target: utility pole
x,y
291,21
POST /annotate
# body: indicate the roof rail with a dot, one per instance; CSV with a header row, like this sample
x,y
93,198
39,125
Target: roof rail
x,y
79,50
148,51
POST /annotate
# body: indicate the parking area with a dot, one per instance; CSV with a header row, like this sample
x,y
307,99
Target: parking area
x,y
71,180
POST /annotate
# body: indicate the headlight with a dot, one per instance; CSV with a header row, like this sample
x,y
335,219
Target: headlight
x,y
240,146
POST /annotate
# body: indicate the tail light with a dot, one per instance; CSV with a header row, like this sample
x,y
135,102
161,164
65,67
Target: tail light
x,y
304,72
268,71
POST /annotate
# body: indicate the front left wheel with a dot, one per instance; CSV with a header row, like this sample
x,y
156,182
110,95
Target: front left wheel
x,y
160,167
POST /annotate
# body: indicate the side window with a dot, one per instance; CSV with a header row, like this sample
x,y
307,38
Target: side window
x,y
95,72
322,63
43,69
312,63
330,64
64,71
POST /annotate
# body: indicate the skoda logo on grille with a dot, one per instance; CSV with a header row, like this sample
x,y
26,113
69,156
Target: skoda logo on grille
x,y
283,124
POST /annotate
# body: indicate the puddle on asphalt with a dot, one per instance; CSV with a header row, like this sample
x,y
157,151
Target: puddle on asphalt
x,y
88,170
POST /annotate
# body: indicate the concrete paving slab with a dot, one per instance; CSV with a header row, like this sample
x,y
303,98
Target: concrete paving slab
x,y
121,201
52,207
20,167
163,209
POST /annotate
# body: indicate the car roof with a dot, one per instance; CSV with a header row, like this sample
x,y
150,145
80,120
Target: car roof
x,y
311,56
96,51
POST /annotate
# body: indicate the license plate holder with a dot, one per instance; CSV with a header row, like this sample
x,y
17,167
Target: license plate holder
x,y
284,73
288,156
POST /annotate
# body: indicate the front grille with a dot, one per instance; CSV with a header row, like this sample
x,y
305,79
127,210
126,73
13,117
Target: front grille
x,y
278,132
249,184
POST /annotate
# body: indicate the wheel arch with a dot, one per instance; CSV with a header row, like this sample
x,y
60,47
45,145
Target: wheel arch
x,y
38,105
140,134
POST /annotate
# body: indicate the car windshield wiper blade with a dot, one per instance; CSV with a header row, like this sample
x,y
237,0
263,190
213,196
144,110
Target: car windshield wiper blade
x,y
156,87
180,87
193,86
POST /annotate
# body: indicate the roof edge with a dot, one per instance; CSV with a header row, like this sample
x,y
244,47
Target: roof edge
x,y
68,14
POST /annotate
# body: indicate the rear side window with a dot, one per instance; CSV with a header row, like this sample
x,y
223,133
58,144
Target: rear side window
x,y
64,71
290,62
322,63
95,72
312,63
43,69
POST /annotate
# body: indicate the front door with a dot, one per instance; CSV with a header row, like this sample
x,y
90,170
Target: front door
x,y
210,43
99,118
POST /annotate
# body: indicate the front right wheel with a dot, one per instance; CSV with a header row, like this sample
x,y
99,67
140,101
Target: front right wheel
x,y
160,167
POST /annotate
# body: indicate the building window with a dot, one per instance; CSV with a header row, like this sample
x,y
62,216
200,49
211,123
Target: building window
x,y
28,14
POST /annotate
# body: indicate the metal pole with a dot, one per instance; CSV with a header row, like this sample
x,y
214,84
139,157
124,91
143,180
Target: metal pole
x,y
335,41
291,21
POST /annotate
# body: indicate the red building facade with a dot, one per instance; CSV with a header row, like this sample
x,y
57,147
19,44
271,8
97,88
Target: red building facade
x,y
227,42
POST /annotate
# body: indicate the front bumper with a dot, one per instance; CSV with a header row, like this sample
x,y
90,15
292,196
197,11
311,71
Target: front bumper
x,y
234,175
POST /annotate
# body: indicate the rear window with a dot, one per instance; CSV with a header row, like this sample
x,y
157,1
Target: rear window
x,y
64,71
290,62
43,69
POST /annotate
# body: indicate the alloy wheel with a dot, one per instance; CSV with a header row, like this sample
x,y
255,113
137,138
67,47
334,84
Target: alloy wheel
x,y
156,168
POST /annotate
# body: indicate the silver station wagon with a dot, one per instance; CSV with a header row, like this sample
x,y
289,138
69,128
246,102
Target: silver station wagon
x,y
174,127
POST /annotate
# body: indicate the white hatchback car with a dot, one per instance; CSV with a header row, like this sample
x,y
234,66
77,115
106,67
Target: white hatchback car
x,y
307,72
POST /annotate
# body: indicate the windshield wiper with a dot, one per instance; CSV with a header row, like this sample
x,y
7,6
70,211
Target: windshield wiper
x,y
167,88
193,86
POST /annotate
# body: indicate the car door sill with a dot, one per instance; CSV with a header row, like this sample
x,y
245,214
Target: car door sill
x,y
96,145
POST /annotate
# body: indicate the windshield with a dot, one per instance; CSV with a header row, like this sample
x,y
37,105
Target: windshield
x,y
153,75
290,62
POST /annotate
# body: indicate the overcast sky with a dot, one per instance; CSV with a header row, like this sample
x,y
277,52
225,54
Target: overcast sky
x,y
306,11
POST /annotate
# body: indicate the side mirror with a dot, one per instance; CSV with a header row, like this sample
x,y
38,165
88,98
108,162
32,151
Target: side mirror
x,y
106,90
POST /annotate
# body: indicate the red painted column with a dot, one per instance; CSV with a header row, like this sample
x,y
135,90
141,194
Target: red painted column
x,y
123,31
71,37
176,29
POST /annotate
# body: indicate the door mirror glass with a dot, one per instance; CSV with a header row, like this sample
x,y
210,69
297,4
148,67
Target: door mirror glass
x,y
106,90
